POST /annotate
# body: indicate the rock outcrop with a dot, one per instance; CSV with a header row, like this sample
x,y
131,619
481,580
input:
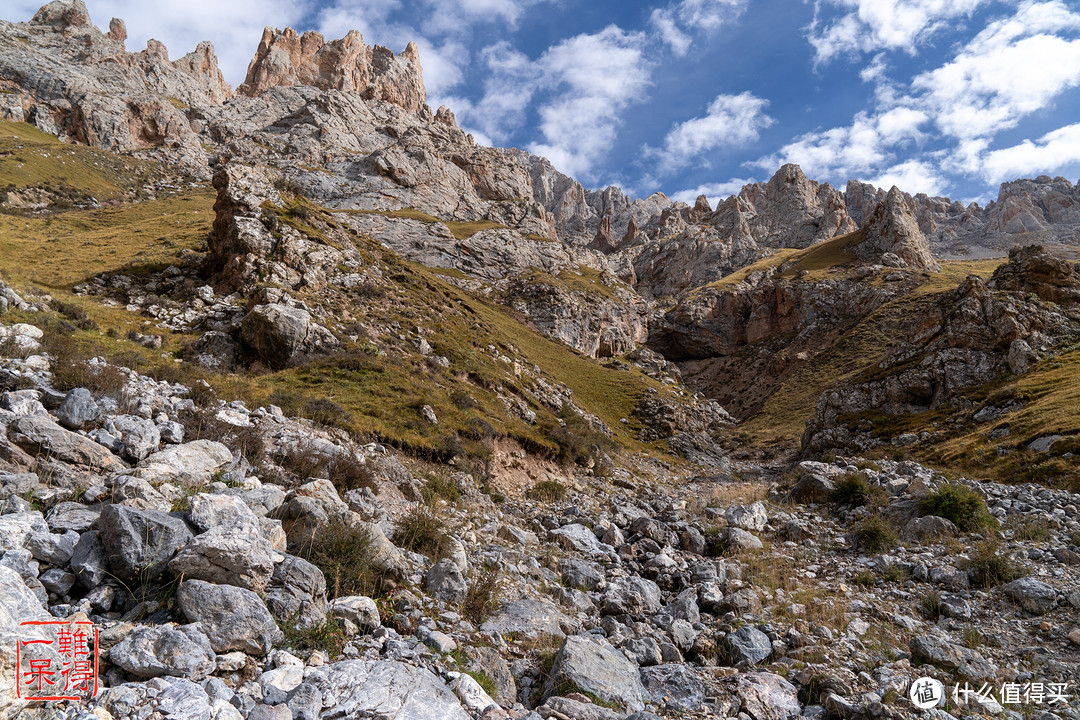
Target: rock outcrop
x,y
891,230
70,79
286,58
965,337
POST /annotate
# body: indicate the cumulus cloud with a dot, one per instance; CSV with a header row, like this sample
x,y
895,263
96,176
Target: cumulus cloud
x,y
730,121
862,147
592,78
714,191
675,23
912,176
1014,67
1053,151
872,25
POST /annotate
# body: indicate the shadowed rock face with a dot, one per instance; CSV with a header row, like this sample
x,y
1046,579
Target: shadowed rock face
x,y
286,58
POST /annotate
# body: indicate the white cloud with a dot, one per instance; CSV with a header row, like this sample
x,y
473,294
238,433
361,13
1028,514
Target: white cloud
x,y
1053,151
731,121
714,191
457,16
872,25
676,22
843,152
592,78
913,177
1009,70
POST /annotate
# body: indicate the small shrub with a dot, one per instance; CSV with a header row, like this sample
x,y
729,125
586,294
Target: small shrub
x,y
482,597
348,473
988,568
75,314
483,680
305,461
854,490
343,553
548,491
716,543
960,504
441,486
326,413
874,535
422,531
1032,529
71,367
463,400
931,606
330,636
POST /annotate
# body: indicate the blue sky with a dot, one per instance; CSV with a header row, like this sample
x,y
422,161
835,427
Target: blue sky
x,y
947,97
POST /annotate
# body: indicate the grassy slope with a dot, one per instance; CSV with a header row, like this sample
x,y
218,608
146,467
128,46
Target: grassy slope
x,y
380,395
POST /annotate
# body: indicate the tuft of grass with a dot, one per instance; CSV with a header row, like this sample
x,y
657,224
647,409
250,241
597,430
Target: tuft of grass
x,y
931,606
961,504
989,568
548,491
1028,528
439,485
482,597
853,489
874,535
422,531
330,636
343,553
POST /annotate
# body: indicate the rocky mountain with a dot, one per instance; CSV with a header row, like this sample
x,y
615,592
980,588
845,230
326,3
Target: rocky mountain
x,y
317,408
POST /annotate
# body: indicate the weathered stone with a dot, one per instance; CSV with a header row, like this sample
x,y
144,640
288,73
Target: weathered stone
x,y
39,434
747,645
189,465
590,664
138,436
151,651
78,409
379,688
1033,595
631,596
232,618
282,335
227,556
445,582
297,592
674,687
765,696
140,543
532,618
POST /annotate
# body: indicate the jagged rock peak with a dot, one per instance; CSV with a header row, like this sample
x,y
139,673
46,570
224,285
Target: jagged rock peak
x,y
63,14
286,58
892,228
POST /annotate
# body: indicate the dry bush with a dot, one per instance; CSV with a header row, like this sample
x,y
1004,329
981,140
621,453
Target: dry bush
x,y
422,531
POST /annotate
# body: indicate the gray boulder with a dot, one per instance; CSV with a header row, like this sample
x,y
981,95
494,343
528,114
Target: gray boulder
x,y
581,574
211,510
138,436
764,696
297,592
380,688
78,409
53,548
72,516
631,596
532,618
89,561
232,618
227,556
747,645
140,543
151,651
589,663
189,465
674,686
281,335
1033,595
446,583
39,434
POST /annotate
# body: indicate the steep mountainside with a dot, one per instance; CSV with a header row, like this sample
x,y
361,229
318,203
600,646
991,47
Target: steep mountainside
x,y
320,409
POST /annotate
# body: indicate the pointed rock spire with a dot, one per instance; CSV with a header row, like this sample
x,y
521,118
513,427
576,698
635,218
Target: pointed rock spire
x,y
892,228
